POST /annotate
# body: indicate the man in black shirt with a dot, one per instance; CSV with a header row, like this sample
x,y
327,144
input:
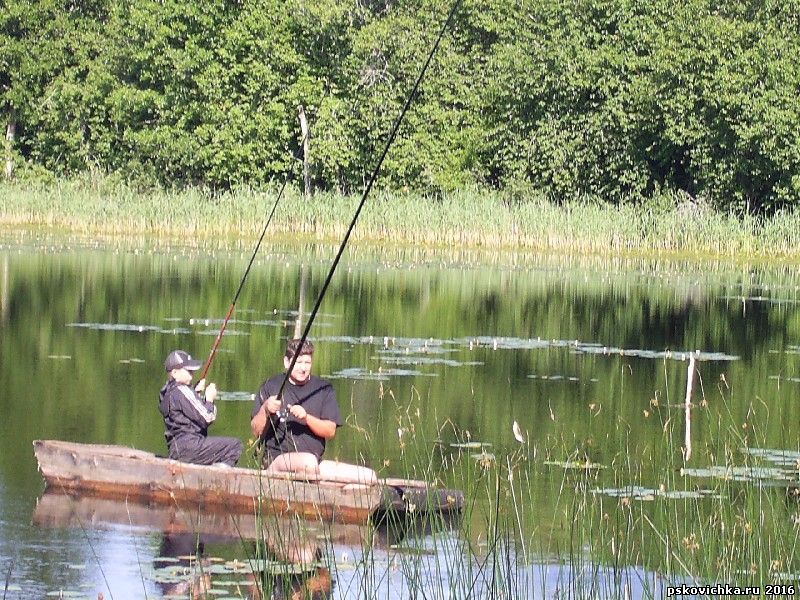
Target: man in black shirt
x,y
294,429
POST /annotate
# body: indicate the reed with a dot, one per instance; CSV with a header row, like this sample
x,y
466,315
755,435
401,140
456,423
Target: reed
x,y
470,218
545,520
7,579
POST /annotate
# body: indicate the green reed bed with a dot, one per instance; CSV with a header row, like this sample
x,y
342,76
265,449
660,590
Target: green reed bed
x,y
546,518
472,218
694,529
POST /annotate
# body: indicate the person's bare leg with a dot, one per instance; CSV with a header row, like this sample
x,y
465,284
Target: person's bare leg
x,y
339,471
294,462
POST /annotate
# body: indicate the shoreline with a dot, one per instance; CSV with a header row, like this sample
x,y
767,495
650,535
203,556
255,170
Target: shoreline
x,y
465,221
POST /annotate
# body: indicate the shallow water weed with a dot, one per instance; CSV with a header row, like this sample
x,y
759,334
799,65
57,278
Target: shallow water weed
x,y
524,514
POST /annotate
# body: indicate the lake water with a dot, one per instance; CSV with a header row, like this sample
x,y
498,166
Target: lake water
x,y
426,349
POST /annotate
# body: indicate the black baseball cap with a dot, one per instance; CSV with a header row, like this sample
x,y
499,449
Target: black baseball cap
x,y
178,359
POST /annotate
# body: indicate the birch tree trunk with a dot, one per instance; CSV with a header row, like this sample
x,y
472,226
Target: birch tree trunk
x,y
306,147
11,133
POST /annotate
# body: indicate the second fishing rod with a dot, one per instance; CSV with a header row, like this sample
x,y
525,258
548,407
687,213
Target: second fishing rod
x,y
365,195
218,339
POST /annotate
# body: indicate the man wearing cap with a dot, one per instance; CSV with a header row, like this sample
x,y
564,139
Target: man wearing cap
x,y
294,429
187,417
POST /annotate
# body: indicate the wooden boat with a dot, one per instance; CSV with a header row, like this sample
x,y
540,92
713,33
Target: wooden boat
x,y
120,472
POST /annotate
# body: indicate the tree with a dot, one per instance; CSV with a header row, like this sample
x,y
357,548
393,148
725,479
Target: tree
x,y
47,56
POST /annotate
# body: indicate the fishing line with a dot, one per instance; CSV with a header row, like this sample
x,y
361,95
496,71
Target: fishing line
x,y
368,189
247,270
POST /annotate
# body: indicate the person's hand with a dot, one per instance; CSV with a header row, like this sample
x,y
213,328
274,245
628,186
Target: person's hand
x,y
298,412
201,385
273,405
211,392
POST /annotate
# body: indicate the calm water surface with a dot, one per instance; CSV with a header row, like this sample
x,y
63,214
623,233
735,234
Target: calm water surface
x,y
426,348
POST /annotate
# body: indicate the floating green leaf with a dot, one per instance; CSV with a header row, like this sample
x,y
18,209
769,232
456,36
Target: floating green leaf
x,y
575,464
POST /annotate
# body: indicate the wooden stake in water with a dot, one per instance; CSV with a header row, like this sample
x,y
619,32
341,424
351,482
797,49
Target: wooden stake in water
x,y
301,307
687,443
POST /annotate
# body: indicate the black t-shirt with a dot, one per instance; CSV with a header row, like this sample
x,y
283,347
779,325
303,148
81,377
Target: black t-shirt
x,y
317,397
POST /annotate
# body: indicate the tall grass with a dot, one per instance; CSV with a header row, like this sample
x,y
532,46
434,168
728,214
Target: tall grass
x,y
665,225
535,529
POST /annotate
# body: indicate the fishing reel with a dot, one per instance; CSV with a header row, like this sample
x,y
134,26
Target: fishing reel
x,y
283,413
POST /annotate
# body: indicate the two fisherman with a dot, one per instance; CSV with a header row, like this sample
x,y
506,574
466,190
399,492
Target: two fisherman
x,y
293,429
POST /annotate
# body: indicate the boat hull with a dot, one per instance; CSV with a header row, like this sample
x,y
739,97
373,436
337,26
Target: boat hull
x,y
120,472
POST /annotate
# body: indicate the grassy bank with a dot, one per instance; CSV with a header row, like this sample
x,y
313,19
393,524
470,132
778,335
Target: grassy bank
x,y
464,219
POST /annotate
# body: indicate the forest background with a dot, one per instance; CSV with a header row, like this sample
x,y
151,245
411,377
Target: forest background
x,y
611,100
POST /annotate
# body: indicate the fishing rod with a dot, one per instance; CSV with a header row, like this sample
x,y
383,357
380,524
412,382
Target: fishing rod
x,y
218,339
368,189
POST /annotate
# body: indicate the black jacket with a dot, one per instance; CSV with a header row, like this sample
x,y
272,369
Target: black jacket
x,y
184,412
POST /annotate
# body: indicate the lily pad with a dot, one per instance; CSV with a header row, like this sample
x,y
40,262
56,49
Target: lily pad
x,y
784,458
219,569
284,569
568,378
784,379
380,375
484,457
636,492
129,327
633,491
751,474
471,445
688,494
171,578
575,464
427,360
237,566
228,332
235,396
116,327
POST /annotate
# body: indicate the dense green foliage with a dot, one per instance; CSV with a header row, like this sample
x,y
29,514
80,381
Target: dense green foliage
x,y
610,99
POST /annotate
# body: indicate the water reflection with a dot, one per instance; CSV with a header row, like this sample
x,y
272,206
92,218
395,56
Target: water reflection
x,y
584,355
196,573
274,556
4,271
187,563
